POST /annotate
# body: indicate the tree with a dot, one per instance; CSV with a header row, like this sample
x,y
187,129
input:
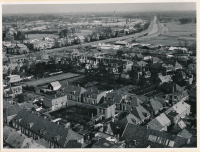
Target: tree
x,y
9,38
119,53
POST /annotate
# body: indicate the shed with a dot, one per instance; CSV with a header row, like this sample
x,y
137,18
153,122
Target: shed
x,y
54,85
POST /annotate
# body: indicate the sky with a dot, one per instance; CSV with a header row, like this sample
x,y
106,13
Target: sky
x,y
75,8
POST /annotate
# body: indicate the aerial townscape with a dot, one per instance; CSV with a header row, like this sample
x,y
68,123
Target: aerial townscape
x,y
104,79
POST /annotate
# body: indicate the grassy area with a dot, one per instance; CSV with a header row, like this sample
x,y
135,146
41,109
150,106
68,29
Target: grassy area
x,y
35,36
175,32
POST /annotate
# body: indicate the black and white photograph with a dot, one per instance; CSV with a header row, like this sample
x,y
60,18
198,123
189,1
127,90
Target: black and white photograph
x,y
81,75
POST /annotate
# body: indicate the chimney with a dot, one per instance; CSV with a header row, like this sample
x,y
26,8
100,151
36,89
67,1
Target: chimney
x,y
147,126
57,122
134,142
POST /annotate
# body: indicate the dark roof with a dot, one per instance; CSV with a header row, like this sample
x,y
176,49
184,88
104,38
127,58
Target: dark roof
x,y
151,137
156,65
78,90
51,129
15,139
104,143
168,85
12,110
140,112
73,144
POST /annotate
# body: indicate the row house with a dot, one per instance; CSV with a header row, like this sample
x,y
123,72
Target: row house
x,y
37,127
93,96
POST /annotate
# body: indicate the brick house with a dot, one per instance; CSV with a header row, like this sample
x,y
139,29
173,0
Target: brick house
x,y
93,96
55,101
106,110
37,127
74,93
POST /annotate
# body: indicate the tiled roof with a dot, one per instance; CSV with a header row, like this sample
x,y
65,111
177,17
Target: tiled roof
x,y
127,117
156,65
51,129
168,85
140,112
159,122
157,60
174,63
145,137
76,89
7,130
73,144
15,139
155,104
179,108
12,110
141,63
104,143
166,78
185,134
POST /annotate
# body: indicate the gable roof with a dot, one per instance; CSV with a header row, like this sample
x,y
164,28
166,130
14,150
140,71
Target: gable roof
x,y
185,134
55,84
159,122
140,112
141,63
168,85
179,108
175,64
155,104
151,137
76,89
156,65
166,78
50,129
156,60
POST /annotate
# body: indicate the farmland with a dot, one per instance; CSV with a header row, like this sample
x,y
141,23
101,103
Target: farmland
x,y
175,32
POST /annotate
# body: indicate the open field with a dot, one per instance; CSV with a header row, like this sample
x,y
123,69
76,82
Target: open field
x,y
175,31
